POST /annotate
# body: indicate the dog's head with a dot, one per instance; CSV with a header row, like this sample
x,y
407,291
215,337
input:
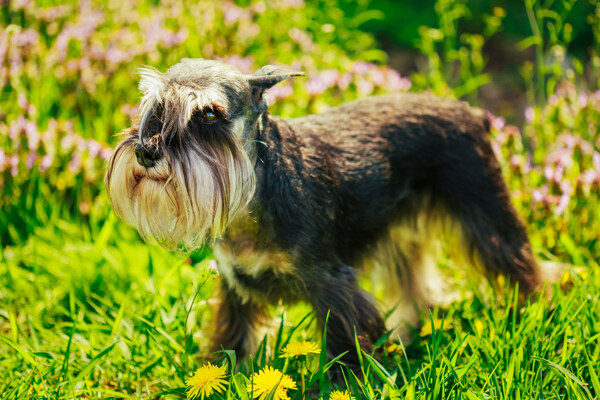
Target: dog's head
x,y
185,168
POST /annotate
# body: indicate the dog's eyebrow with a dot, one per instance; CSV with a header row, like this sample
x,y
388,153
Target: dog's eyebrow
x,y
221,111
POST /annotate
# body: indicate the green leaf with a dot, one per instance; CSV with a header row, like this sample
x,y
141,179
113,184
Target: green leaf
x,y
566,374
45,354
240,382
232,359
95,361
149,366
592,368
379,370
19,349
528,42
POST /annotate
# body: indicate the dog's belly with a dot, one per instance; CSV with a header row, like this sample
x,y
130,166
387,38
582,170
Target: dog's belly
x,y
258,273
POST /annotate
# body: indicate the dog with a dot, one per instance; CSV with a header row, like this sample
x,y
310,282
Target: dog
x,y
294,208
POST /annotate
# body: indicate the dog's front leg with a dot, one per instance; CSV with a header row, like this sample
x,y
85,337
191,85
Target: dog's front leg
x,y
236,322
351,312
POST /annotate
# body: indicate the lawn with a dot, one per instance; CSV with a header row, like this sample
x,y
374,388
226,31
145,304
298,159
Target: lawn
x,y
88,310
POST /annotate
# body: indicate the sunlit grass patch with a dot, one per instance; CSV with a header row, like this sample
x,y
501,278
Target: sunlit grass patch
x,y
74,324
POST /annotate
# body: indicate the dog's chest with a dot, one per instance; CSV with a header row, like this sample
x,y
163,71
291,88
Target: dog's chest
x,y
254,266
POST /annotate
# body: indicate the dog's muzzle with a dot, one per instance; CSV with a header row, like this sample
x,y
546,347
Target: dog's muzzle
x,y
147,155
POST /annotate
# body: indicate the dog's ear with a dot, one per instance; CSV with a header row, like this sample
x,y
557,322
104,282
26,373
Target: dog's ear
x,y
265,78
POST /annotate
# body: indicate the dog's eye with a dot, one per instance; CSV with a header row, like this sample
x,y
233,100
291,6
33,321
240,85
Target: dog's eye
x,y
209,116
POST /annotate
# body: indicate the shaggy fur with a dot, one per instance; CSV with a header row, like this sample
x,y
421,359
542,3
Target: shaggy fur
x,y
293,207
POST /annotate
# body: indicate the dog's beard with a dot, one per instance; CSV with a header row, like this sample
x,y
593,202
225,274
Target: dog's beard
x,y
183,200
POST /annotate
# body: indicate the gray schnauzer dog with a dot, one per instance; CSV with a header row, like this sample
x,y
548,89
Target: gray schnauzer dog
x,y
293,208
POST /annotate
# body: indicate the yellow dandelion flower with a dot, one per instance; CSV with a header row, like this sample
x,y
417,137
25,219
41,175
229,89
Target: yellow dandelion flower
x,y
338,395
206,380
394,348
300,349
437,325
479,327
264,381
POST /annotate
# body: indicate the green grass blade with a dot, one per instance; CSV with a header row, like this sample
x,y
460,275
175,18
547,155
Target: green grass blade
x,y
19,349
94,361
567,374
379,370
240,382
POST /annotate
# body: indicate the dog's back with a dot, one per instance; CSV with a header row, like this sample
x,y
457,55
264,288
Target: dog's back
x,y
371,162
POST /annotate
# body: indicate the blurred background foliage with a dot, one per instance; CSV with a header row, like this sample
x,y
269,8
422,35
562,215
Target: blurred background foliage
x,y
68,78
68,85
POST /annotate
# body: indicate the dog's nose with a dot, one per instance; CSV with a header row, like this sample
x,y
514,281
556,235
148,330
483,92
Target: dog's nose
x,y
146,156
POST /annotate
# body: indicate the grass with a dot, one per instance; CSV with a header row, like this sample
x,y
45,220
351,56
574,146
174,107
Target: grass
x,y
96,313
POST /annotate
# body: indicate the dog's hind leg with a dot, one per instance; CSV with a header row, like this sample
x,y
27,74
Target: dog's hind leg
x,y
406,264
471,187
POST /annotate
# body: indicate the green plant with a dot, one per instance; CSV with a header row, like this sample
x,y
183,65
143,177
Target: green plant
x,y
455,61
551,36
